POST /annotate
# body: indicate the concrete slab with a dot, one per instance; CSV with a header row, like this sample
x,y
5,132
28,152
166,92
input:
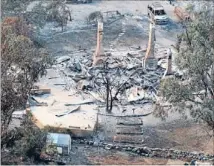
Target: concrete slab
x,y
80,123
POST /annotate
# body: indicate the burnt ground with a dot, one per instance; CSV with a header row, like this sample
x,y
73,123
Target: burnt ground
x,y
85,155
177,134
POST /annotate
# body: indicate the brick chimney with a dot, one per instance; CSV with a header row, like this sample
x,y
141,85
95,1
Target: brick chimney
x,y
99,52
149,60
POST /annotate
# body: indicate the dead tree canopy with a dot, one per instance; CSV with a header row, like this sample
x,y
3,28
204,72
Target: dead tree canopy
x,y
59,12
95,17
108,80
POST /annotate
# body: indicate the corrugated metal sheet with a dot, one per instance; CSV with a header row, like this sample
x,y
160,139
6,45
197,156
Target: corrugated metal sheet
x,y
59,139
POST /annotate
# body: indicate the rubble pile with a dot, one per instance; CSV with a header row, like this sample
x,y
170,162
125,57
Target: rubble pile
x,y
77,75
140,83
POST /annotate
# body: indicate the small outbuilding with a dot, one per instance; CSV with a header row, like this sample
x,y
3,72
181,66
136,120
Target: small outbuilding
x,y
62,142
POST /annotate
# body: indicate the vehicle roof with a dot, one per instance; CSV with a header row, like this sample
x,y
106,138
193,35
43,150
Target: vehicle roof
x,y
156,5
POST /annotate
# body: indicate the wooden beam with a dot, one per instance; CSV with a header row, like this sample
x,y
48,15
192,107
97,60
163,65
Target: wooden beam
x,y
40,91
125,115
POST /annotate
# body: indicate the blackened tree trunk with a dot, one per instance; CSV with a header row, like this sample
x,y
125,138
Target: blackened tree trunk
x,y
111,101
107,95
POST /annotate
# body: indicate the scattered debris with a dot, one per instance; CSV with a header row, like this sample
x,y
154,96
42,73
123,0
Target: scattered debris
x,y
68,112
62,59
75,67
96,96
53,102
52,78
108,147
59,84
33,102
84,85
125,115
135,94
40,91
81,103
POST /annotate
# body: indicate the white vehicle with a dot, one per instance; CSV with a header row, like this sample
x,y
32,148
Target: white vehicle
x,y
157,13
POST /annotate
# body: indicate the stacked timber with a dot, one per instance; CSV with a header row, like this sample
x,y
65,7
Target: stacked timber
x,y
129,130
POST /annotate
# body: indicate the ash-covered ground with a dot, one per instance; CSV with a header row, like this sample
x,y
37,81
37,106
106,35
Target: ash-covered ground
x,y
124,38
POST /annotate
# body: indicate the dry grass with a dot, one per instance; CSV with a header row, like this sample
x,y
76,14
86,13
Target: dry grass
x,y
192,138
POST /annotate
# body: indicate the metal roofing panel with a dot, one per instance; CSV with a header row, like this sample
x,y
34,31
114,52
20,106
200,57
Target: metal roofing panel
x,y
59,139
64,139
